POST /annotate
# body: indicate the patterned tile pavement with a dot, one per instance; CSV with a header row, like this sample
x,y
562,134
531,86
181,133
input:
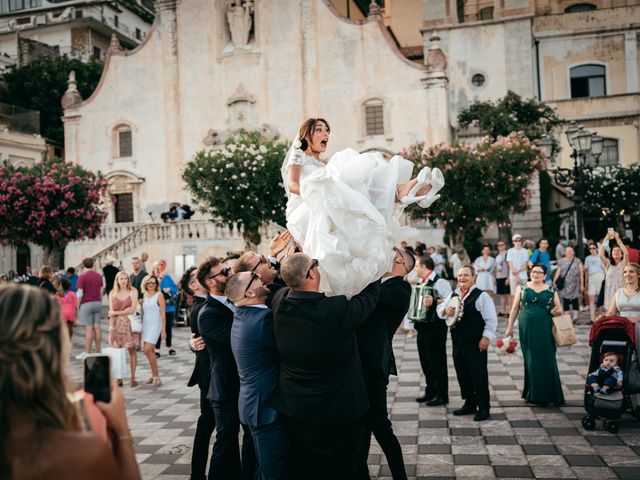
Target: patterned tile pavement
x,y
519,441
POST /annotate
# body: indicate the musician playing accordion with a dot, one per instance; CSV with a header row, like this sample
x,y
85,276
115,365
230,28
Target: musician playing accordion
x,y
471,335
432,336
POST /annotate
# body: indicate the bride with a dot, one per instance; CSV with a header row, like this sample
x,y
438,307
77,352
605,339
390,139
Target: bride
x,y
345,212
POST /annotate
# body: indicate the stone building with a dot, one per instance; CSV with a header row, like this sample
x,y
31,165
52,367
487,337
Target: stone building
x,y
265,65
33,29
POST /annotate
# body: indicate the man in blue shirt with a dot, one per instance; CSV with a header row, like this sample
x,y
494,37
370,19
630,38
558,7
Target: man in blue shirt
x,y
255,351
542,256
72,277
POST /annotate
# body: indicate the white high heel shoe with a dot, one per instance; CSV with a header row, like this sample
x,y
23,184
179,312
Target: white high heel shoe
x,y
437,182
422,181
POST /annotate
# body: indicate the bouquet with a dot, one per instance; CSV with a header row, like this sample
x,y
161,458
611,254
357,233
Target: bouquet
x,y
506,346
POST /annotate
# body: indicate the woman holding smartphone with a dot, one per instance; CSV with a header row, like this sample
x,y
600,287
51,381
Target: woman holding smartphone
x,y
153,324
40,427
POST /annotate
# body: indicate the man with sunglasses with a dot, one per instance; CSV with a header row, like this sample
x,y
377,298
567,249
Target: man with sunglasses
x,y
266,267
320,391
214,323
254,348
378,363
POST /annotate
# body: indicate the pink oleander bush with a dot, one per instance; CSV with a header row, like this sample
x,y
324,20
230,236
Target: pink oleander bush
x,y
485,183
240,182
51,204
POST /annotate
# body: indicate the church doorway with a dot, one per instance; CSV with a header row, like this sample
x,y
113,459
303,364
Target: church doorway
x,y
23,258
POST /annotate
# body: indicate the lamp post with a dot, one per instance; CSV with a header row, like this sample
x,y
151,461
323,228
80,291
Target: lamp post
x,y
585,146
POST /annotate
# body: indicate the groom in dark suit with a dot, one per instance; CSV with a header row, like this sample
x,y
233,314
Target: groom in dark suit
x,y
320,391
214,322
376,353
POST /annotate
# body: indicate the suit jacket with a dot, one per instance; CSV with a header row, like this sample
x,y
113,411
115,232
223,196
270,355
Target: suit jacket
x,y
254,349
214,323
320,373
200,374
375,335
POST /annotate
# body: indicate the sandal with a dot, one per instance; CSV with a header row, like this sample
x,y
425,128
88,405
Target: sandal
x,y
422,181
172,351
133,384
437,182
120,382
156,382
149,381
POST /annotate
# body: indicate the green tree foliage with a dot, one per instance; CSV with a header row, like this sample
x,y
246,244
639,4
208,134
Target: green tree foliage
x,y
240,182
40,86
484,184
50,204
511,114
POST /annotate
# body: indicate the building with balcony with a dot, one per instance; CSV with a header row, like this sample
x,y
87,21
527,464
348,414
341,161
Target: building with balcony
x,y
32,29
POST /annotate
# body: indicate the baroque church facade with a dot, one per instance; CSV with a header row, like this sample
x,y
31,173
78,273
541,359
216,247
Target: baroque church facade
x,y
209,68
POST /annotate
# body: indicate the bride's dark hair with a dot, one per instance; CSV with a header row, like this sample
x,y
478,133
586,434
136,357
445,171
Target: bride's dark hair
x,y
306,129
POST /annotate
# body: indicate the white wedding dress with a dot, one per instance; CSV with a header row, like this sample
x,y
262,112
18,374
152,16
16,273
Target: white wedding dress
x,y
346,215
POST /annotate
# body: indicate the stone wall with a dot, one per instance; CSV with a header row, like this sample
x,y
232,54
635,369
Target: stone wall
x,y
30,51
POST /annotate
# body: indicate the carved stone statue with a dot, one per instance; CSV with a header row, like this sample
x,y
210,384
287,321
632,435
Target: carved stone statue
x,y
240,16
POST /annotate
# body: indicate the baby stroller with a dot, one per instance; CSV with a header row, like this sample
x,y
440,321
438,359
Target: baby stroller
x,y
617,335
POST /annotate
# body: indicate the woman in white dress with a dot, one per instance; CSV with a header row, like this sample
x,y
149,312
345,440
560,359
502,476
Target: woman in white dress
x,y
153,323
345,211
485,267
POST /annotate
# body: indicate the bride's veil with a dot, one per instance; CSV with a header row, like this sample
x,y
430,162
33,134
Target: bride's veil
x,y
284,170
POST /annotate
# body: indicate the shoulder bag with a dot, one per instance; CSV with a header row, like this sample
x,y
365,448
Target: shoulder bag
x,y
135,320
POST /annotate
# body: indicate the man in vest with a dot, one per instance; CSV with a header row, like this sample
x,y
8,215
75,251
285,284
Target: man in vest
x,y
471,336
432,336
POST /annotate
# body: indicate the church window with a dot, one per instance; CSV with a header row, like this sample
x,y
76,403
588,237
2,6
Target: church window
x,y
478,80
485,13
122,141
609,153
374,117
588,81
580,7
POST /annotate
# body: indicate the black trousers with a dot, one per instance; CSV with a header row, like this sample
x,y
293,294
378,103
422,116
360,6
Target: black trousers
x,y
376,421
471,370
225,456
432,351
204,430
323,452
169,316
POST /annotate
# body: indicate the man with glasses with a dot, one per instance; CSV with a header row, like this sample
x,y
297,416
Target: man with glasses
x,y
320,392
518,261
254,348
266,267
214,323
375,337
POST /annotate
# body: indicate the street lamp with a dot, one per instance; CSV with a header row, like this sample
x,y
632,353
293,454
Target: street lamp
x,y
586,150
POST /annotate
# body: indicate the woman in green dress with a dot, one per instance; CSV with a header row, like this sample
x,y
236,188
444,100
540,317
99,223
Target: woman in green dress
x,y
537,303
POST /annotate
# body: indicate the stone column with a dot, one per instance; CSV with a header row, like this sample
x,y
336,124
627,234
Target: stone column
x,y
71,119
174,155
437,99
631,60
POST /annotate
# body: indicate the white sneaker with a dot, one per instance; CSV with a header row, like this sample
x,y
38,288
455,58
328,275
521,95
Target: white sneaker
x,y
81,356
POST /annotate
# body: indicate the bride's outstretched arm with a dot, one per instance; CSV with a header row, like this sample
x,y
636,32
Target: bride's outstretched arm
x,y
294,179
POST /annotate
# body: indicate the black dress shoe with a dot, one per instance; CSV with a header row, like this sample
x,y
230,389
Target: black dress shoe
x,y
481,415
425,398
465,410
434,402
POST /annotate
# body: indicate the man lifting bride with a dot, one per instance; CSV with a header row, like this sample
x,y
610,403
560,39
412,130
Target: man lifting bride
x,y
345,211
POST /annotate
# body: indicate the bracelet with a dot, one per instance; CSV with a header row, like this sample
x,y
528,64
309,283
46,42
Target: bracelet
x,y
124,438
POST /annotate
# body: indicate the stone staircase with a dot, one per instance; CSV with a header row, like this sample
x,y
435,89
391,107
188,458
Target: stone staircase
x,y
129,239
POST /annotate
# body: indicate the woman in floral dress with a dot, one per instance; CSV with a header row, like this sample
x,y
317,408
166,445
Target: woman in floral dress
x,y
123,301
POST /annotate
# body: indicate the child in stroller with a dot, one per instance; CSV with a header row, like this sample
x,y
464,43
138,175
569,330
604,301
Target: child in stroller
x,y
610,338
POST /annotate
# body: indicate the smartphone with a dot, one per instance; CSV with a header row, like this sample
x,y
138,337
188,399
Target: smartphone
x,y
97,377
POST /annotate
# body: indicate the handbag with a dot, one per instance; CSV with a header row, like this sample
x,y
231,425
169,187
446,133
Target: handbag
x,y
563,332
135,321
560,280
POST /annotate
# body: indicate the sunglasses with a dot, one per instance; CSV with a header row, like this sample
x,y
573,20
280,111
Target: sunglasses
x,y
314,264
537,271
260,262
225,271
151,283
253,277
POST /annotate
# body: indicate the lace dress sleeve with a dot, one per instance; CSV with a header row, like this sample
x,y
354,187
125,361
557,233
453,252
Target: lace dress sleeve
x,y
297,158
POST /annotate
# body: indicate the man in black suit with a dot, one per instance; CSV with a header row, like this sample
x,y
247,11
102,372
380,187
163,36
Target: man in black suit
x,y
200,376
214,323
375,337
320,390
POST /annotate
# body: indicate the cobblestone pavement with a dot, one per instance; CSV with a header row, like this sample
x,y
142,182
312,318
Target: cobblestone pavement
x,y
519,441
